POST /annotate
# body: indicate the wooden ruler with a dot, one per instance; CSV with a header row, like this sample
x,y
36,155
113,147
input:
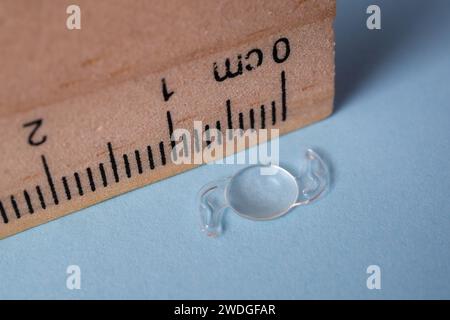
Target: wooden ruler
x,y
87,114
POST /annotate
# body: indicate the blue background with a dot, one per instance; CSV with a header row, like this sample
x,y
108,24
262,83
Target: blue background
x,y
389,146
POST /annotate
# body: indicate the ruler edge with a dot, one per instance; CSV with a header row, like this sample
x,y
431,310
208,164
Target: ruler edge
x,y
33,221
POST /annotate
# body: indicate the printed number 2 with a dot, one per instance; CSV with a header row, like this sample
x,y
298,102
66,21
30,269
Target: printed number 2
x,y
36,124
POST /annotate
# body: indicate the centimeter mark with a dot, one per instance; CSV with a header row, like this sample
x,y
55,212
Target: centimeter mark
x,y
112,159
137,156
170,125
50,180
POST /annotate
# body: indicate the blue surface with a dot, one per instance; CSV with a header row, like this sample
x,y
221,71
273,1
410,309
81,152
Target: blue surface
x,y
389,145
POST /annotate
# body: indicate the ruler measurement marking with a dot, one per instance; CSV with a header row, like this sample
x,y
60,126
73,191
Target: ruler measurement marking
x,y
41,197
66,188
91,179
241,121
28,201
127,165
15,207
137,155
229,118
274,113
283,96
229,115
50,180
150,158
78,182
263,117
218,127
252,118
101,168
162,153
3,213
170,125
112,159
208,135
128,170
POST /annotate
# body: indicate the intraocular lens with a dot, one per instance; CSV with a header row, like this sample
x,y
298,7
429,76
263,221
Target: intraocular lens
x,y
261,197
262,192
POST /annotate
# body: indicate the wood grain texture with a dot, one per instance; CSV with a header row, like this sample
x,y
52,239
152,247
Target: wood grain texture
x,y
99,89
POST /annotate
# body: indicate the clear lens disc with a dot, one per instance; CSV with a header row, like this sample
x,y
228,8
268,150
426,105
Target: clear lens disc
x,y
262,197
